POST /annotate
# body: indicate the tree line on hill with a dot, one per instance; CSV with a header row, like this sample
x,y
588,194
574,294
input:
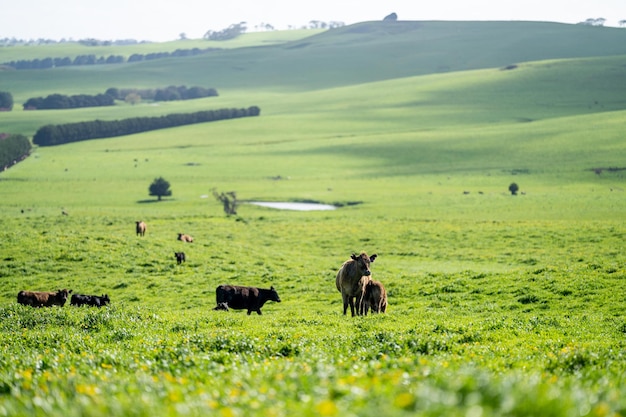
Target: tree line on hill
x,y
169,93
91,59
132,95
60,101
13,148
51,135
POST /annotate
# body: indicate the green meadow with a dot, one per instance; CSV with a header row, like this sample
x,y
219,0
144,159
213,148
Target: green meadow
x,y
499,304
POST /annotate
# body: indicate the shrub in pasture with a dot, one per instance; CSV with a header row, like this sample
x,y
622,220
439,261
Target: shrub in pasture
x,y
228,200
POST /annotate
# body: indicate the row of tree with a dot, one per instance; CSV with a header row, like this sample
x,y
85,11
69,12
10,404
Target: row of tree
x,y
163,94
51,135
60,101
91,59
13,148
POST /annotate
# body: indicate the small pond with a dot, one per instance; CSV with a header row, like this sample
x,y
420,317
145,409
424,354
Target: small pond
x,y
285,205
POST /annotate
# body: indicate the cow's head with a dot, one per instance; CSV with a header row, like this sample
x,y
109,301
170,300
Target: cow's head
x,y
274,295
62,295
105,299
363,263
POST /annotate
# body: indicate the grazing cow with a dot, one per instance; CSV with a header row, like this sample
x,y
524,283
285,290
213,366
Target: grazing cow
x,y
180,257
351,279
43,299
375,297
90,300
185,238
243,298
140,228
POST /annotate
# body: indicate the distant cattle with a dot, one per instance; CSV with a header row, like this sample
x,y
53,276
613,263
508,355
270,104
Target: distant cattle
x,y
180,257
185,238
351,279
43,299
90,300
375,297
140,228
243,298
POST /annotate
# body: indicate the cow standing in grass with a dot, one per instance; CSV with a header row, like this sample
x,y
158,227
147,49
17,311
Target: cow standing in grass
x,y
375,297
243,298
43,299
351,281
180,257
140,228
90,300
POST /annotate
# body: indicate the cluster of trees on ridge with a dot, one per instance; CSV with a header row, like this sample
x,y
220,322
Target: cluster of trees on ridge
x,y
162,94
132,95
60,101
51,135
13,149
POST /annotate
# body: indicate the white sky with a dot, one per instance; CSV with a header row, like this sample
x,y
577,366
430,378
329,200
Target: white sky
x,y
162,20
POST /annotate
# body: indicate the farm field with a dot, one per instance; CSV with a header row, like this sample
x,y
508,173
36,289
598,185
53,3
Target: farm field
x,y
498,304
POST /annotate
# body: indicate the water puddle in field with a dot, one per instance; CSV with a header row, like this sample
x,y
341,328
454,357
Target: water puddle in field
x,y
293,206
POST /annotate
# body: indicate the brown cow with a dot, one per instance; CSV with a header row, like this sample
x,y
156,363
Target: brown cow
x,y
243,298
140,228
375,297
43,299
351,279
185,238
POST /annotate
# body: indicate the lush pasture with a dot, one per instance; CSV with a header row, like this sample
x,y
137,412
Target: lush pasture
x,y
498,304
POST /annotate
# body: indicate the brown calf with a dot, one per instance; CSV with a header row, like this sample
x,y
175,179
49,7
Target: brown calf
x,y
375,297
140,228
185,238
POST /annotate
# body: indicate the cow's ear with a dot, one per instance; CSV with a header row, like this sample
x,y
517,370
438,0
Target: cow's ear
x,y
70,291
373,257
354,257
272,288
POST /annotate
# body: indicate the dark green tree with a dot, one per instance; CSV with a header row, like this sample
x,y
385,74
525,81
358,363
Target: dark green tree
x,y
513,188
160,187
6,100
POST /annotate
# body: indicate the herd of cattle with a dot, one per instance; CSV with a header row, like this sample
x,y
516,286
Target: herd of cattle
x,y
59,298
354,282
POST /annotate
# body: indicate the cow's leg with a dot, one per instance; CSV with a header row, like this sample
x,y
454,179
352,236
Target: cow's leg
x,y
361,305
345,304
351,300
258,311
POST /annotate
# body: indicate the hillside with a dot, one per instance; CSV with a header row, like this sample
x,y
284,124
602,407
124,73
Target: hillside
x,y
356,54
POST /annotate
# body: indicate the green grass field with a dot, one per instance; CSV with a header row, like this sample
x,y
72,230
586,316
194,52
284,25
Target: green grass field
x,y
498,304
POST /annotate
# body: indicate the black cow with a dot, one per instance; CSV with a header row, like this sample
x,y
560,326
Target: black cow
x,y
90,300
243,298
180,257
